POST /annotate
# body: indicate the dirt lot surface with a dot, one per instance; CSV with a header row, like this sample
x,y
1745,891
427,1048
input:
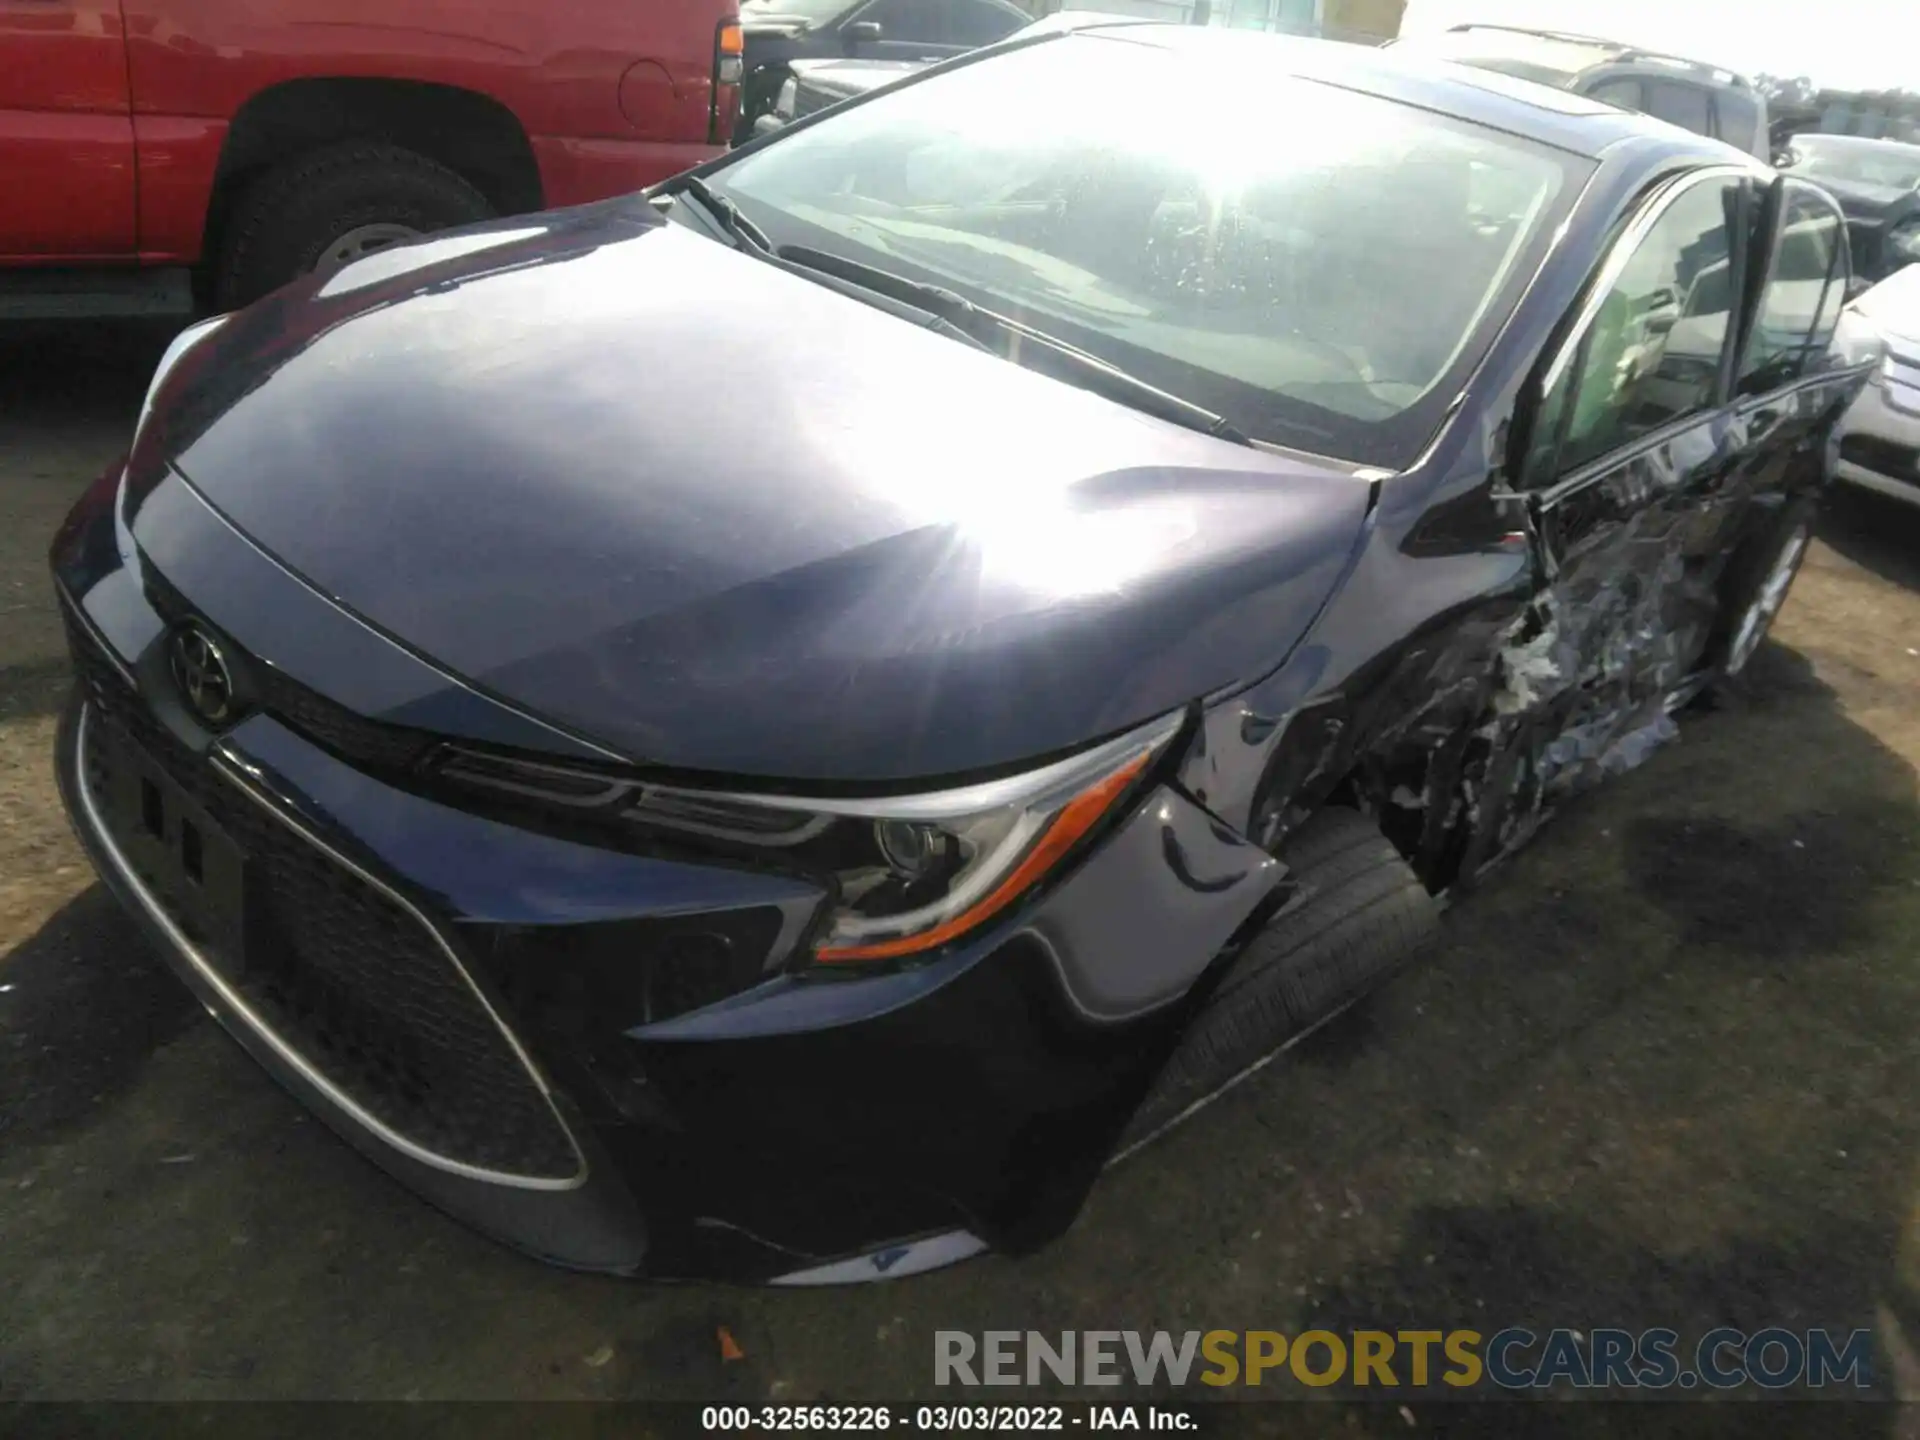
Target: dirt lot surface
x,y
1662,1073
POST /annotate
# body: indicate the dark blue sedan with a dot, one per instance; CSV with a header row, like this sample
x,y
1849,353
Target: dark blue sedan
x,y
772,728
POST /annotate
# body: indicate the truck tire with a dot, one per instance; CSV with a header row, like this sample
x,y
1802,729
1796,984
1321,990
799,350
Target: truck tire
x,y
1360,914
325,207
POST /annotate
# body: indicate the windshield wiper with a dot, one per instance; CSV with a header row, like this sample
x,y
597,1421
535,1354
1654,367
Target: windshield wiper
x,y
1091,371
750,238
727,215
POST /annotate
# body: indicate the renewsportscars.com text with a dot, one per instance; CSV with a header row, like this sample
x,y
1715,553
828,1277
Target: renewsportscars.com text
x,y
1601,1358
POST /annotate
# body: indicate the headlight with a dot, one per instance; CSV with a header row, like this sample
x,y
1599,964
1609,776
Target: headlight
x,y
908,873
789,96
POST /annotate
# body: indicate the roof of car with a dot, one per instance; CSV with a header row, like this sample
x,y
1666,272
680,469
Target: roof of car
x,y
1613,52
1482,97
1856,142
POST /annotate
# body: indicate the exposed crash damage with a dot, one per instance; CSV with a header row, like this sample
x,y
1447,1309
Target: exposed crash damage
x,y
1467,745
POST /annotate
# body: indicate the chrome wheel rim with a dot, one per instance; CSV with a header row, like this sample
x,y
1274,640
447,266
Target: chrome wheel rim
x,y
361,241
1773,594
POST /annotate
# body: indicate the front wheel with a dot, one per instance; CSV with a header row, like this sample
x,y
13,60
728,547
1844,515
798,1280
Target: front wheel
x,y
1359,914
330,207
1760,587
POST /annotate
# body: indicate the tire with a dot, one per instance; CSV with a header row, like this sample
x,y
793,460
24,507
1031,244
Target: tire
x,y
1759,582
1361,913
288,220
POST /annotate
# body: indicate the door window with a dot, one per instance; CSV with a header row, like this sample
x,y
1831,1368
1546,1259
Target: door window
x,y
1624,92
1687,106
1650,348
1796,320
912,22
975,22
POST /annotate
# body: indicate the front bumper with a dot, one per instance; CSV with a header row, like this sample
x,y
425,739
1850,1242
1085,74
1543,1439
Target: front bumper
x,y
579,1219
803,1129
1878,442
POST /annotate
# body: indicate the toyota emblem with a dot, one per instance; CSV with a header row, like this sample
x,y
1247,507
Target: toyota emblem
x,y
200,670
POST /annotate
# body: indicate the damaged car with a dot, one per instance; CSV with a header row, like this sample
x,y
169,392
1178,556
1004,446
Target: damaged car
x,y
808,845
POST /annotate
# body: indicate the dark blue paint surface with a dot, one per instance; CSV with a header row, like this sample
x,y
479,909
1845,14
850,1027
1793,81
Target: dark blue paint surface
x,y
889,557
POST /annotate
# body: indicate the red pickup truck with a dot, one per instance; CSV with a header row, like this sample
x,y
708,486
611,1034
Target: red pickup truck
x,y
158,154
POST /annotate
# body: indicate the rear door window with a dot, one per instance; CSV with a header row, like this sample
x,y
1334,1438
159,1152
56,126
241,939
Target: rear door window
x,y
1687,106
975,22
917,22
1624,92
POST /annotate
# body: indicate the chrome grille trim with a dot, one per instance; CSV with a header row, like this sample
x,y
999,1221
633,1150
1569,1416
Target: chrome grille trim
x,y
241,776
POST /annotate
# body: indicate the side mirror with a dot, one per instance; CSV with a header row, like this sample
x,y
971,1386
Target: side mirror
x,y
860,32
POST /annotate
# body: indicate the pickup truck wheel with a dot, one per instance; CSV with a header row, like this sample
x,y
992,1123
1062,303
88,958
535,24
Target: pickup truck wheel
x,y
331,206
1359,915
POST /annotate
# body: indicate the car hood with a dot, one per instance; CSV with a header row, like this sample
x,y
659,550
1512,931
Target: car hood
x,y
853,77
1859,200
720,518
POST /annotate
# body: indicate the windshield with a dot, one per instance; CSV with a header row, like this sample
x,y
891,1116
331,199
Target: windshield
x,y
1307,262
1897,169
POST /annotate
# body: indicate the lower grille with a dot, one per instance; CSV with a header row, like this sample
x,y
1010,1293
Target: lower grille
x,y
1883,457
344,975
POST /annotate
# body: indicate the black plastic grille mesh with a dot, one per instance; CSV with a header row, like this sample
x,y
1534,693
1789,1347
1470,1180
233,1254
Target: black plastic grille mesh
x,y
364,742
346,976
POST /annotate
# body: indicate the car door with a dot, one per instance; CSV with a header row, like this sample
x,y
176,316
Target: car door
x,y
1633,461
66,132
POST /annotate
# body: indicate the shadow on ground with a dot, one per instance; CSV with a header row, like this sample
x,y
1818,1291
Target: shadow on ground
x,y
85,1004
1875,532
79,374
1730,1144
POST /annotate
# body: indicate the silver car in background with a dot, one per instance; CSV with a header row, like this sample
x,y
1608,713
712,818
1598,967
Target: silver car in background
x,y
1879,440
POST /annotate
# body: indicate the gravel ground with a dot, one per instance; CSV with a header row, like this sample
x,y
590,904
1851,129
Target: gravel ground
x,y
1661,1073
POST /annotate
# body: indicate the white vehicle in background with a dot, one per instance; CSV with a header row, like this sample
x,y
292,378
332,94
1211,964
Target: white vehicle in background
x,y
1879,440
